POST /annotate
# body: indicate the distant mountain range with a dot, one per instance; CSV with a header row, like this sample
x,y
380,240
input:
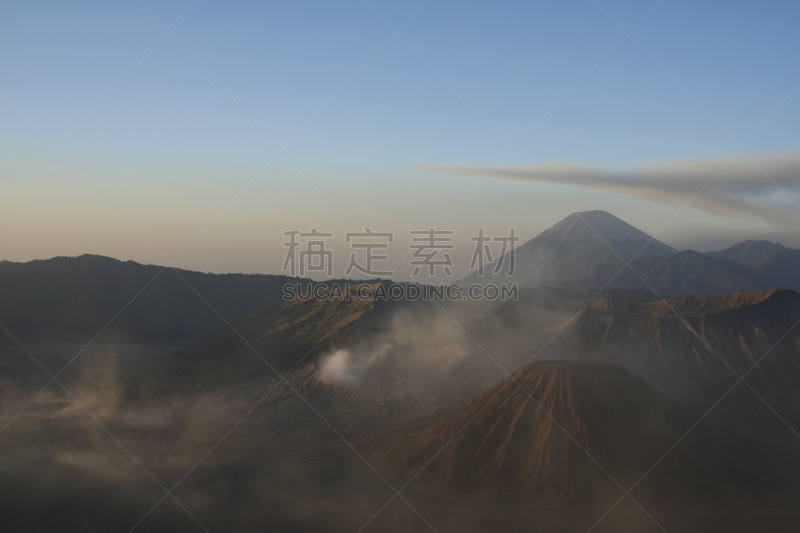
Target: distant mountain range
x,y
589,250
71,299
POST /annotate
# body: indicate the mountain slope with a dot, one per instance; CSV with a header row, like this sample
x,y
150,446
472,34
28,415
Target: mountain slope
x,y
530,435
564,254
686,272
695,362
695,347
751,253
779,264
402,379
70,299
283,337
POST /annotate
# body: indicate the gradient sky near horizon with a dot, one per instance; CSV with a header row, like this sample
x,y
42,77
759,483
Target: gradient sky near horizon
x,y
162,145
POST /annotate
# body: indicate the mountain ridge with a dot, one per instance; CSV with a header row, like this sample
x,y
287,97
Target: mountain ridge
x,y
595,249
71,299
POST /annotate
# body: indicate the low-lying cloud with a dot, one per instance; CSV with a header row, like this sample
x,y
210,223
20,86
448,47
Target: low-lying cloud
x,y
410,348
754,187
349,365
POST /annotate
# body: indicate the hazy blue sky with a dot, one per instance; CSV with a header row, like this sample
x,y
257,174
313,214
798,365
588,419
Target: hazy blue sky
x,y
168,147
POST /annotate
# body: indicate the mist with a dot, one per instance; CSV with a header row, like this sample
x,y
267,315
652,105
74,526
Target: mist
x,y
294,454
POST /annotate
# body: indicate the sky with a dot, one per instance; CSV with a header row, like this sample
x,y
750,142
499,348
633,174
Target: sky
x,y
198,133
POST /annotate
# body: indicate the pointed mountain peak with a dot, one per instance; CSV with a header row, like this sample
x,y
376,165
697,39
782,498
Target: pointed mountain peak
x,y
593,233
569,251
594,225
595,215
